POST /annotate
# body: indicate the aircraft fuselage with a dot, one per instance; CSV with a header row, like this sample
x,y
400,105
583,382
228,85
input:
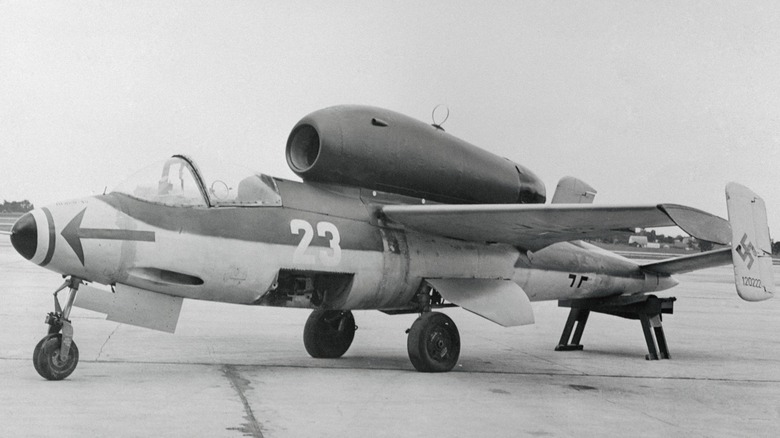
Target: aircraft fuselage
x,y
324,247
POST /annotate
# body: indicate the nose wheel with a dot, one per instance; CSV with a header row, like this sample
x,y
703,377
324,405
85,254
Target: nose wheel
x,y
56,355
48,362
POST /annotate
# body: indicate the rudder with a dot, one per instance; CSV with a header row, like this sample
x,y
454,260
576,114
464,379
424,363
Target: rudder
x,y
751,249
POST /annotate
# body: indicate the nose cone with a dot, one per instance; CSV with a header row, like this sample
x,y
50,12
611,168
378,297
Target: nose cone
x,y
24,236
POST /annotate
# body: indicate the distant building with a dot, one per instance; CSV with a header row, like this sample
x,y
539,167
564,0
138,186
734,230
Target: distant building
x,y
638,241
684,243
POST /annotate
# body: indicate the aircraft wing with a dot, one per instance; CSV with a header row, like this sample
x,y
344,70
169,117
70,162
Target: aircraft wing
x,y
534,227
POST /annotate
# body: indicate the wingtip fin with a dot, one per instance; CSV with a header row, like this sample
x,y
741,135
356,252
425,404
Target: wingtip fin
x,y
699,224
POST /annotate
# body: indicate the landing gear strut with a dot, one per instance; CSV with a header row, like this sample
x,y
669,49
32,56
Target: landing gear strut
x,y
56,355
433,343
646,308
329,333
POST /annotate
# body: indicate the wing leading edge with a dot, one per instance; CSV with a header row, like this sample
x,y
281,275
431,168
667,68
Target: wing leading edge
x,y
534,227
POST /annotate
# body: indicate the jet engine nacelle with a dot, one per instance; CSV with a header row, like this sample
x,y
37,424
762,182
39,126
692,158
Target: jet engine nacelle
x,y
383,150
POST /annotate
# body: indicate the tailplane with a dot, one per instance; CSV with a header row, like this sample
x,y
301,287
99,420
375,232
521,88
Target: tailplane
x,y
751,249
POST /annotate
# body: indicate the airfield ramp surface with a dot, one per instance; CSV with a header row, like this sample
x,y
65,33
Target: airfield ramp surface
x,y
7,221
233,371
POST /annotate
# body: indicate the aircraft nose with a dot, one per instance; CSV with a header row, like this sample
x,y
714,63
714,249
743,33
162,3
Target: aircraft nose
x,y
24,236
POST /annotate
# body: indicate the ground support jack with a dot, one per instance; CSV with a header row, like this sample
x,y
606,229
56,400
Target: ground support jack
x,y
646,308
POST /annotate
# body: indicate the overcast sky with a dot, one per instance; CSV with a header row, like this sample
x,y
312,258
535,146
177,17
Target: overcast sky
x,y
647,101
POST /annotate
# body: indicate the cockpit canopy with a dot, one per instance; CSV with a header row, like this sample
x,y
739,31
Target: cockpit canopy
x,y
177,181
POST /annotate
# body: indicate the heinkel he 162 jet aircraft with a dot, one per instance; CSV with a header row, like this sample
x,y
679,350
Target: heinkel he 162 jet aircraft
x,y
392,214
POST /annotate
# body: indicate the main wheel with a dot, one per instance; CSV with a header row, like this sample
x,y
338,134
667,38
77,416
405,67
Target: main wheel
x,y
46,358
433,343
329,333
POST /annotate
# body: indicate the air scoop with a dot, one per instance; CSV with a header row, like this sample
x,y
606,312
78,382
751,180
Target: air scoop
x,y
24,236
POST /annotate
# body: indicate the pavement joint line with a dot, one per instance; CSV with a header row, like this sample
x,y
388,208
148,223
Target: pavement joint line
x,y
252,428
551,362
519,373
97,358
656,418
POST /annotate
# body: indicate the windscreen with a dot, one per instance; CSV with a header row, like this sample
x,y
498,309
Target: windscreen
x,y
170,182
176,182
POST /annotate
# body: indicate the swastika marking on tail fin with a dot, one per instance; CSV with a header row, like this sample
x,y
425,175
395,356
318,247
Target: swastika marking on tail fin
x,y
746,250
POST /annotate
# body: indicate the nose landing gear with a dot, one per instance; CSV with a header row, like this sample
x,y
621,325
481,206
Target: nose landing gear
x,y
56,355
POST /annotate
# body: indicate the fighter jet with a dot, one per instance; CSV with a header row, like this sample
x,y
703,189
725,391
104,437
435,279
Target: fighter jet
x,y
392,214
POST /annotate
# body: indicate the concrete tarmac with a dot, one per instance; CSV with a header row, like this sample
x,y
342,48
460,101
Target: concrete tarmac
x,y
233,371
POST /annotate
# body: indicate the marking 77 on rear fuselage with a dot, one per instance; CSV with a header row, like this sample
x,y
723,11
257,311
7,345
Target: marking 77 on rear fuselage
x,y
573,278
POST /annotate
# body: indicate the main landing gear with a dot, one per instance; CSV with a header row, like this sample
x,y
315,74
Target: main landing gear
x,y
329,333
56,355
433,343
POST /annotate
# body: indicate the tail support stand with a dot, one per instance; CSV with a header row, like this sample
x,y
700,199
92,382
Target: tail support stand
x,y
646,308
580,317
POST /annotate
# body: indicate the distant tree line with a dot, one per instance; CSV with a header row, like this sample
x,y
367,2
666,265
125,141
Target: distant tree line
x,y
621,236
16,206
652,236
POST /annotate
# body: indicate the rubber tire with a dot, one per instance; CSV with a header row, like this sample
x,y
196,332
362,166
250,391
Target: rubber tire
x,y
46,358
37,352
328,334
433,343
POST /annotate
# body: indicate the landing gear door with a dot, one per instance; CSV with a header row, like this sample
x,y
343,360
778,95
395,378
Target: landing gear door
x,y
133,306
500,301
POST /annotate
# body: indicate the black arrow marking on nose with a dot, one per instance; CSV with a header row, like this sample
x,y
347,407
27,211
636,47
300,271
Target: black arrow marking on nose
x,y
73,233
